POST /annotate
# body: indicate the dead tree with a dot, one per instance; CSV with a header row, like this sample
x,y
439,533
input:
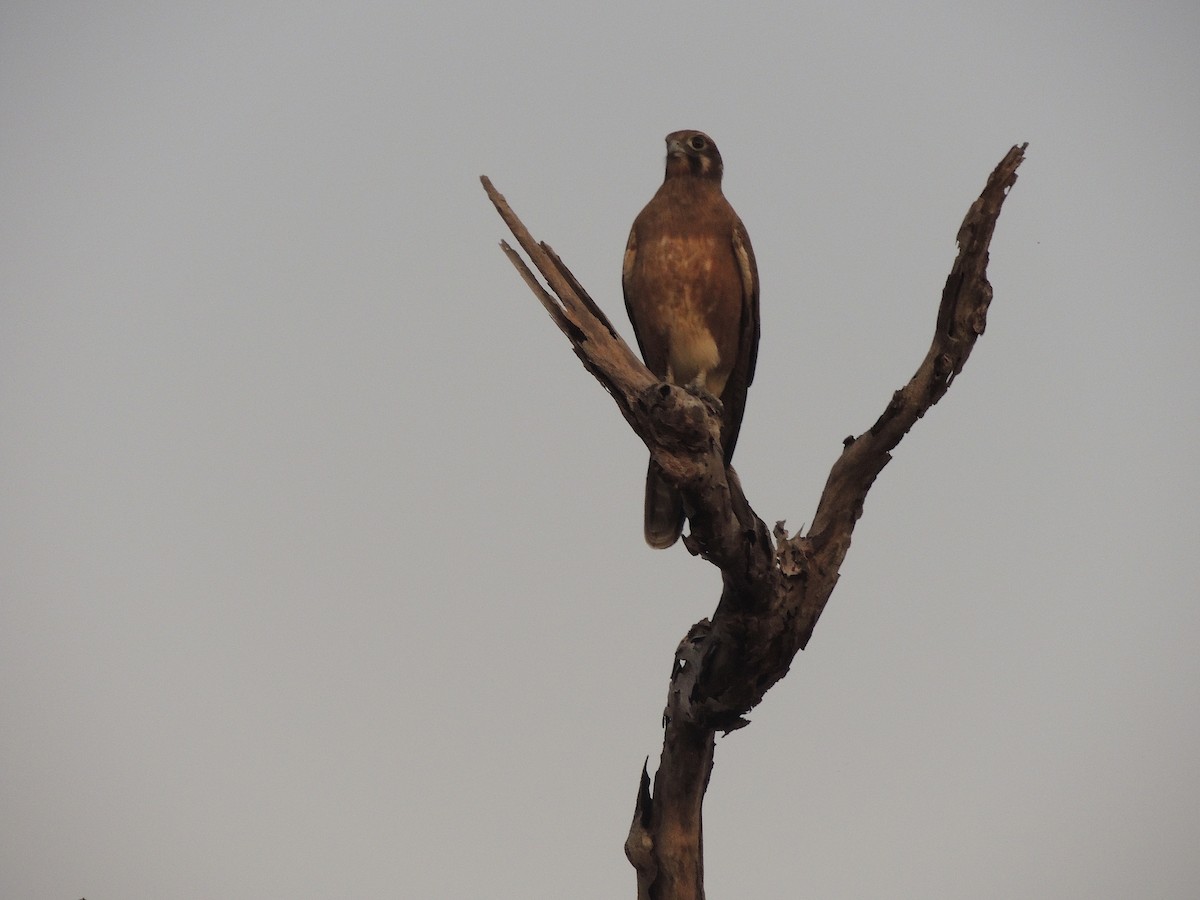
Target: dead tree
x,y
774,586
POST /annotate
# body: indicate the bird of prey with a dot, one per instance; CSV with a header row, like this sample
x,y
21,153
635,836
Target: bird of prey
x,y
691,289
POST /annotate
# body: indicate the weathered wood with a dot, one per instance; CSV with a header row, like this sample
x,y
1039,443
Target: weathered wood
x,y
775,587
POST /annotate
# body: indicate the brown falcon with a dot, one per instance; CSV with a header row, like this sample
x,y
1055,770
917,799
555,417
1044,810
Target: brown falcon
x,y
691,289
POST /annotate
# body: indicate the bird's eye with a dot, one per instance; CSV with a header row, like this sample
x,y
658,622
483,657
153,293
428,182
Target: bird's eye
x,y
698,142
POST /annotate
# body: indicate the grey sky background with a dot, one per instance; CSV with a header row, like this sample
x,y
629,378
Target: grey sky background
x,y
321,560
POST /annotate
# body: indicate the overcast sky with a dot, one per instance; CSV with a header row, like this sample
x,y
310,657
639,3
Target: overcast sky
x,y
321,556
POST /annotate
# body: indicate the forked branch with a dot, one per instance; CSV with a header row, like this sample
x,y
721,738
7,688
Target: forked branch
x,y
773,590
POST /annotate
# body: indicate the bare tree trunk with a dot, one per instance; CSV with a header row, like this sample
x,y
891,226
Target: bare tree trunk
x,y
775,586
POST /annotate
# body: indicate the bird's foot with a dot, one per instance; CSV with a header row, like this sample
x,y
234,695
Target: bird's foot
x,y
698,387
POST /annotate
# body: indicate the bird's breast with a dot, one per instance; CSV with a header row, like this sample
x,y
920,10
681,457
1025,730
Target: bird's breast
x,y
692,285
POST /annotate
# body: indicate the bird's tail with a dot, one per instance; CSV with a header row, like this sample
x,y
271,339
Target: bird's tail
x,y
664,510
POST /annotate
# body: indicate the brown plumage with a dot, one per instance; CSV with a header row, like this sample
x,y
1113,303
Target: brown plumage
x,y
691,289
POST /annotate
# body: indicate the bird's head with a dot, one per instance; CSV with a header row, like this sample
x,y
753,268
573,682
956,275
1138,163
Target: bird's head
x,y
693,153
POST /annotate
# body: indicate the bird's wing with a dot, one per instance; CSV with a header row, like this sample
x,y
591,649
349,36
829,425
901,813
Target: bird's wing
x,y
633,302
733,399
